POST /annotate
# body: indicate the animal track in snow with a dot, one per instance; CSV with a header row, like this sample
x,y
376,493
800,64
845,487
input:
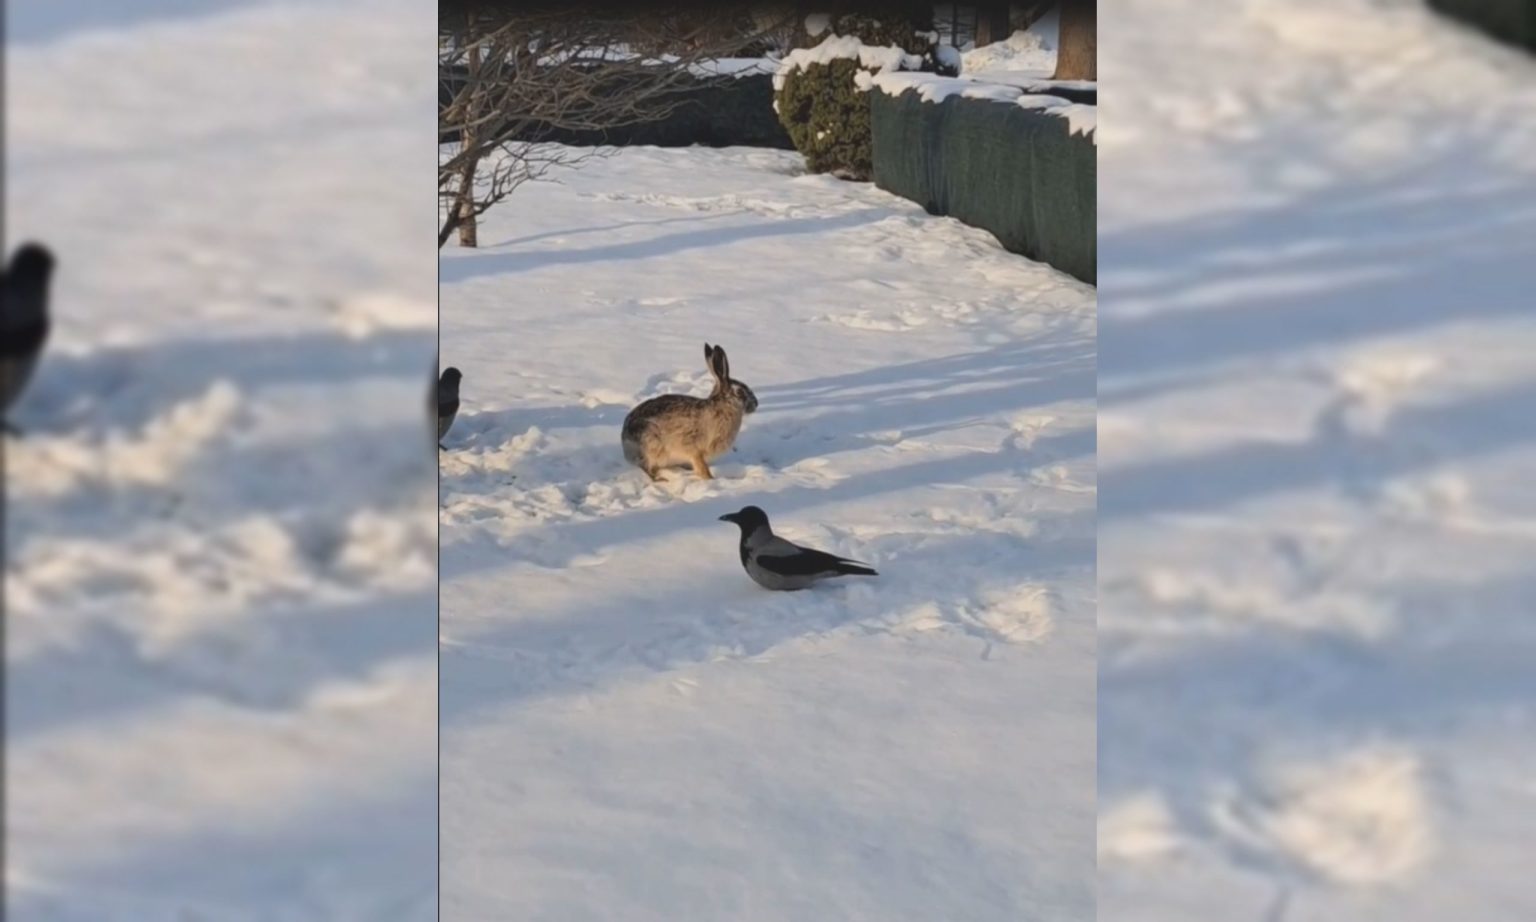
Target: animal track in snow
x,y
1363,818
1137,828
1386,374
728,203
865,320
1370,387
660,302
1058,477
1028,426
1017,615
156,455
691,383
602,397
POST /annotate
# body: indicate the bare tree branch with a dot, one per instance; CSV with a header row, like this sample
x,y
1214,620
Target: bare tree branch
x,y
509,77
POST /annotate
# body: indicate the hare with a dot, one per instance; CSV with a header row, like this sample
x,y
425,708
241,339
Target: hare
x,y
676,429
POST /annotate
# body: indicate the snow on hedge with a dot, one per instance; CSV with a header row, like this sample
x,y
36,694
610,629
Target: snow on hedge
x,y
846,47
1081,119
1031,83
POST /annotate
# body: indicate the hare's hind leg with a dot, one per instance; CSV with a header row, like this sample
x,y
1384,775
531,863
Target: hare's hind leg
x,y
701,467
635,455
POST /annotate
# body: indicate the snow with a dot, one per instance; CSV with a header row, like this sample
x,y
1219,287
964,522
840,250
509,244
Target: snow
x,y
933,88
1029,51
734,67
1024,62
947,55
1030,83
1082,119
845,47
631,727
1317,523
713,67
220,534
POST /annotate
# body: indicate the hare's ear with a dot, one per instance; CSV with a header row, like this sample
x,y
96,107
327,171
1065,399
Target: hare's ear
x,y
709,356
721,366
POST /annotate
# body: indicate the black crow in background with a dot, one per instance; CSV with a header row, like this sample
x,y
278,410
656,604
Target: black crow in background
x,y
447,401
23,320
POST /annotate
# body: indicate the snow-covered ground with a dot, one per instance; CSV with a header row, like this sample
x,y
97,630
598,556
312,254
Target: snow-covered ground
x,y
631,728
220,527
1317,523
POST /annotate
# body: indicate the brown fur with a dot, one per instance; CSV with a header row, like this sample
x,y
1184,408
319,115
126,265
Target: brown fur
x,y
675,429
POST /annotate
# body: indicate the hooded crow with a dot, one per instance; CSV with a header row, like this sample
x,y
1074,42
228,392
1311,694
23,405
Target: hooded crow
x,y
23,319
447,401
774,563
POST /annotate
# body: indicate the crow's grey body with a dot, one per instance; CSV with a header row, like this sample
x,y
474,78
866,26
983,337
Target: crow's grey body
x,y
23,319
774,563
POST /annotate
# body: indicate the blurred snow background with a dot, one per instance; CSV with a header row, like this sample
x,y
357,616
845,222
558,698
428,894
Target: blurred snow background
x,y
220,529
1316,520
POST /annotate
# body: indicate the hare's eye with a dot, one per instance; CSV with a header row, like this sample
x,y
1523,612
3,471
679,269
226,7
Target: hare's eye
x,y
748,399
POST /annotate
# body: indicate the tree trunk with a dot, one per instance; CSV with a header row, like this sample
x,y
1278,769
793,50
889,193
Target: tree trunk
x,y
1077,54
469,234
465,203
462,214
992,23
446,231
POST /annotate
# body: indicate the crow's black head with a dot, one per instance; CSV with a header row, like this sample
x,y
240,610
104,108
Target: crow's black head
x,y
750,518
30,265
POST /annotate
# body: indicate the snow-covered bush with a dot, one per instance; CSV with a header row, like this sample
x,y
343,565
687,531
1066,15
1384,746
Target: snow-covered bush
x,y
820,92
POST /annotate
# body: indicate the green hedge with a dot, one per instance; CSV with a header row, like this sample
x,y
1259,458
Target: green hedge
x,y
1016,172
1512,21
827,118
715,113
821,105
